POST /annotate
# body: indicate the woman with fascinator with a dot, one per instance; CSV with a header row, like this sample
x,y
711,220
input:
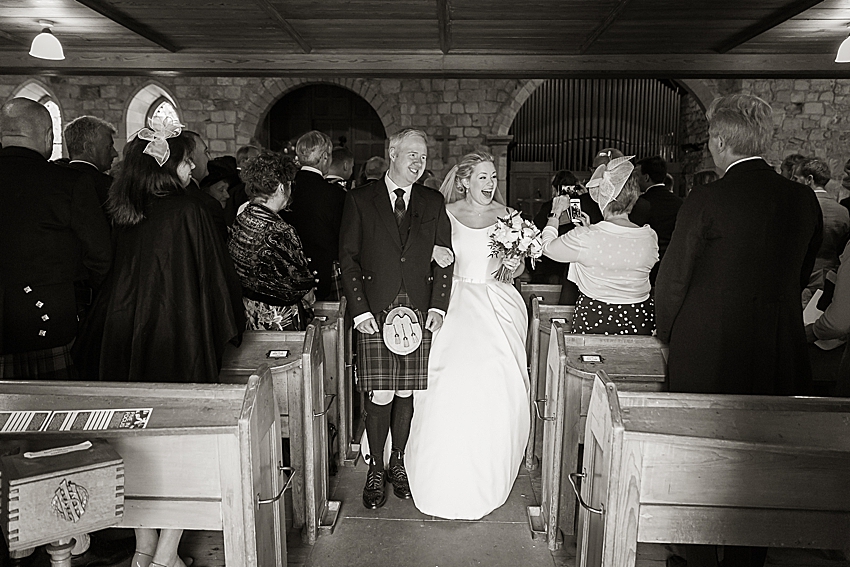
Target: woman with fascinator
x,y
609,261
172,300
470,426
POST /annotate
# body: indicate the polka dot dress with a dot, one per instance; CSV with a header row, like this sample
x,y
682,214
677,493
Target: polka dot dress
x,y
599,318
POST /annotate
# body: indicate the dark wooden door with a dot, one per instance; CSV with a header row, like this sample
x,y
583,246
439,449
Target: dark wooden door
x,y
341,114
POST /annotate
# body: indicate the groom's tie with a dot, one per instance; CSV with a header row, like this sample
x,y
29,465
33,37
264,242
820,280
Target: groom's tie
x,y
399,205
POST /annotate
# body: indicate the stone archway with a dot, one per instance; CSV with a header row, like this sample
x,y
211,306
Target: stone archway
x,y
259,103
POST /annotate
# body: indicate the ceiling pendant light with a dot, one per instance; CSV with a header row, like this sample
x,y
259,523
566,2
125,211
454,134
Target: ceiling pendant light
x,y
45,45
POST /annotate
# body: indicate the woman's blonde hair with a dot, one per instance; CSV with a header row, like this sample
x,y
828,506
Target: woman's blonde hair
x,y
628,196
452,188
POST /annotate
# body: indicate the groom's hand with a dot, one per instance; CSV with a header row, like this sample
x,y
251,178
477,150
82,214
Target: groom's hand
x,y
368,327
434,321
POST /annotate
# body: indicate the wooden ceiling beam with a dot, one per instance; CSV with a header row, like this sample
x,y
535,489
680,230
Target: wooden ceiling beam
x,y
426,64
283,24
780,16
444,21
108,11
603,25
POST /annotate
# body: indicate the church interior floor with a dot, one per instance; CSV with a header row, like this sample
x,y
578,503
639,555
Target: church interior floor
x,y
398,535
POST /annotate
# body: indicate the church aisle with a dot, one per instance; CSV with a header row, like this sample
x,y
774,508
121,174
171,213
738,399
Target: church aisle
x,y
398,534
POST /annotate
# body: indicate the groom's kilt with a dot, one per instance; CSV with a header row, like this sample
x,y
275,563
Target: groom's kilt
x,y
378,368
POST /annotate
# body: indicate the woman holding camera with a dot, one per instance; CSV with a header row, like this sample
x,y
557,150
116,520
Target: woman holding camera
x,y
609,261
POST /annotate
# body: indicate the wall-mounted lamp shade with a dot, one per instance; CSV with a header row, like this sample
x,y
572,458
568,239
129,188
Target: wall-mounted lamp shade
x,y
843,55
46,46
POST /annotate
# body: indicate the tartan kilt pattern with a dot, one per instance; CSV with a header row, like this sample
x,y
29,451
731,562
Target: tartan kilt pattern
x,y
378,368
46,364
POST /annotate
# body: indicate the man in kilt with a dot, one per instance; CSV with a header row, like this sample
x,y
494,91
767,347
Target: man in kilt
x,y
389,230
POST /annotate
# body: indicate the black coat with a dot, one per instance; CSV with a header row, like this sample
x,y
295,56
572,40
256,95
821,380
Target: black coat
x,y
664,206
170,304
374,262
52,233
727,297
102,181
316,214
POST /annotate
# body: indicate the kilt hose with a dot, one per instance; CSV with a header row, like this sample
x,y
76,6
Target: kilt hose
x,y
378,368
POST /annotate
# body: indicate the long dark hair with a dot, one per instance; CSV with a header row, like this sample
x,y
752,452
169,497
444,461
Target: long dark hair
x,y
141,179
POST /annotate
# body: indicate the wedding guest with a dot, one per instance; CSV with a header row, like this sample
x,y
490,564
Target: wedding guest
x,y
53,237
834,323
91,148
315,211
640,210
664,205
610,261
341,168
172,300
789,164
267,252
200,158
727,294
705,176
546,270
814,173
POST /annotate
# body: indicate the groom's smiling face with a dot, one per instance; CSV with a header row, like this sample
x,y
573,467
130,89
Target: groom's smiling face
x,y
407,161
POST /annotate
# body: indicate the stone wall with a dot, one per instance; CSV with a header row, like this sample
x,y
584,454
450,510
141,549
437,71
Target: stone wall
x,y
810,115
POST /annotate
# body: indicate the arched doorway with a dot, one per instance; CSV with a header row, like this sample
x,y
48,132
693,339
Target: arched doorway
x,y
338,112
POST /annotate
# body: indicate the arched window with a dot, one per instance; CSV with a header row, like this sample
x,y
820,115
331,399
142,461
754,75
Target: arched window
x,y
36,91
56,115
162,108
150,100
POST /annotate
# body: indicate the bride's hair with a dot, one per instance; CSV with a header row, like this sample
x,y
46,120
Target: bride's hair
x,y
452,188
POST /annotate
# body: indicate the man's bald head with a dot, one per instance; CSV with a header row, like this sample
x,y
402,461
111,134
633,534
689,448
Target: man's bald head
x,y
26,123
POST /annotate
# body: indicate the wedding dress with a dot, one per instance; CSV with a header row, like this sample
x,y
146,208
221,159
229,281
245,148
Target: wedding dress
x,y
470,427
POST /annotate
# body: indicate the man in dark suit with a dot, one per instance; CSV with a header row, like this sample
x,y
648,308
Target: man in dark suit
x,y
316,211
389,230
201,159
91,148
663,205
50,225
727,297
341,168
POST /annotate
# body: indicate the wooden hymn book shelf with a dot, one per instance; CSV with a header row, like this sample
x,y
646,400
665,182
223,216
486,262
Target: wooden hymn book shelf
x,y
634,362
764,471
209,458
299,389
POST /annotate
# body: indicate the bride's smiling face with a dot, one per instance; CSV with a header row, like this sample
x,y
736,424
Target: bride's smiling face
x,y
481,185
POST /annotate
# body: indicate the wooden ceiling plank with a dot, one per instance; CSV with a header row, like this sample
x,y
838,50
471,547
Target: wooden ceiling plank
x,y
284,24
130,23
13,38
444,18
604,25
778,17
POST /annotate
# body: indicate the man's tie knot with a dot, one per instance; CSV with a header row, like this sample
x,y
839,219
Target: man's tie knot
x,y
399,205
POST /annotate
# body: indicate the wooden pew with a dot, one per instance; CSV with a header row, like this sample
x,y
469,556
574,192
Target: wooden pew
x,y
298,379
547,293
337,336
710,469
209,458
539,329
634,362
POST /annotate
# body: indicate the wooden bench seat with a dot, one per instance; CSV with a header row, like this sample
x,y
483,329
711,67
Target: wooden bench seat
x,y
209,454
634,362
712,469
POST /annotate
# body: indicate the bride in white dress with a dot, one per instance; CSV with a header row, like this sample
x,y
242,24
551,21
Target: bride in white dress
x,y
470,427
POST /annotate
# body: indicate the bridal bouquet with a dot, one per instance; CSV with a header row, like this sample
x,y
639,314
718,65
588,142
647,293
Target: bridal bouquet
x,y
514,238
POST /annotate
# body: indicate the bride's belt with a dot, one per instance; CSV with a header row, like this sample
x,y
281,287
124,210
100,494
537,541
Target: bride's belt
x,y
472,280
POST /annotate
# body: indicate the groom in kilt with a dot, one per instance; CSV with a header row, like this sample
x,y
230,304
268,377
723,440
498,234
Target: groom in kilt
x,y
389,230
